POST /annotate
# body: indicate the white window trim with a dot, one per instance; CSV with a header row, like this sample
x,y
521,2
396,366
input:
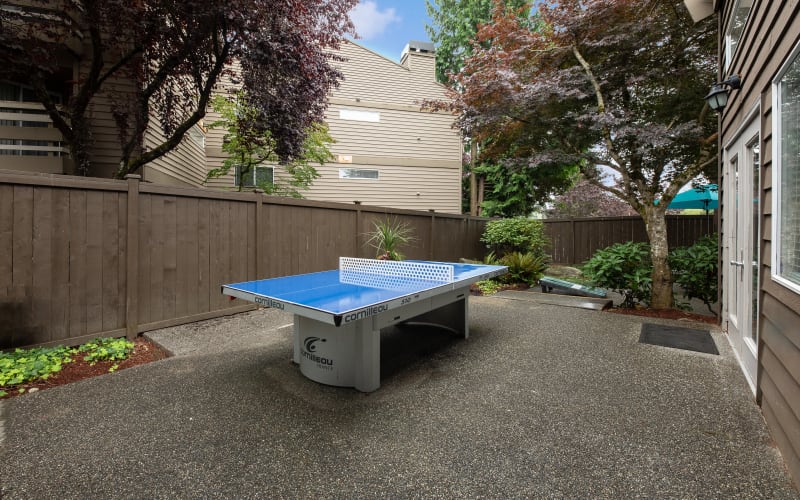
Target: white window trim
x,y
794,56
197,136
726,37
360,115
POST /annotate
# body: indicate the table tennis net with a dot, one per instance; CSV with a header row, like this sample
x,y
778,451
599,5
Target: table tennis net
x,y
392,274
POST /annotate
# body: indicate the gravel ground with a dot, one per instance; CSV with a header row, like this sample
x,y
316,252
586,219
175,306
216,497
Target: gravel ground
x,y
540,401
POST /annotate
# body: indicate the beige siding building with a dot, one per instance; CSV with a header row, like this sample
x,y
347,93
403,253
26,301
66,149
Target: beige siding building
x,y
388,151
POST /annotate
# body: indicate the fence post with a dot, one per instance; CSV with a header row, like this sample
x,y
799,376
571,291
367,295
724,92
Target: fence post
x,y
572,256
358,228
432,232
132,264
259,194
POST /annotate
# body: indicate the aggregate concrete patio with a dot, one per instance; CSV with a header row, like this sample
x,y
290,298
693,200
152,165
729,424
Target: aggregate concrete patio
x,y
540,401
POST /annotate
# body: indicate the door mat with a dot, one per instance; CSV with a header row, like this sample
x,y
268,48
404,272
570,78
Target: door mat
x,y
677,337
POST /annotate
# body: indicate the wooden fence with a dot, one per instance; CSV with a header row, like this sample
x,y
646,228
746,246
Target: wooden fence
x,y
575,240
81,257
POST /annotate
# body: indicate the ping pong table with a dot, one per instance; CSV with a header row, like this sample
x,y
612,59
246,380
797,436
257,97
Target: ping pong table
x,y
338,314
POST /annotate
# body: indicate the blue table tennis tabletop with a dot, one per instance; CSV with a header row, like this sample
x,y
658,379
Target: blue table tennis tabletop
x,y
323,292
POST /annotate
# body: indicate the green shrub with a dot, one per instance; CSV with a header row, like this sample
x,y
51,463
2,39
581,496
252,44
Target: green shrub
x,y
624,268
523,267
518,234
488,287
695,269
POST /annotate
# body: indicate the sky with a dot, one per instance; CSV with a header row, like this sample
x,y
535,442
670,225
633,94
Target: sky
x,y
386,26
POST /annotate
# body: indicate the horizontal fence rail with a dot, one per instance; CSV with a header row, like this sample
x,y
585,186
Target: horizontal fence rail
x,y
83,257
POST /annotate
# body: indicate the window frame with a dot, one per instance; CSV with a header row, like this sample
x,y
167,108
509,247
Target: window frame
x,y
197,136
728,54
777,172
253,174
358,178
360,115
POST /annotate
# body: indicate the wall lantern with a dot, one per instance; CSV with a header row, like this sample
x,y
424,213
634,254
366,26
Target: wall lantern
x,y
717,97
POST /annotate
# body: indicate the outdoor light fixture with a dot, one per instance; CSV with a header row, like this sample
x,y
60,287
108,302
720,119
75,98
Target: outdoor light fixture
x,y
717,97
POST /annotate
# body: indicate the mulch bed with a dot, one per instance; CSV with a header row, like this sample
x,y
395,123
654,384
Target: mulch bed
x,y
144,351
638,311
665,314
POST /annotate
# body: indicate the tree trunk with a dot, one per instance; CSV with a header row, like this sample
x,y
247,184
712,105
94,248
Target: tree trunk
x,y
656,226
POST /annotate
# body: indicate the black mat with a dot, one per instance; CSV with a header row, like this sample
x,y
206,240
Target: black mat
x,y
678,337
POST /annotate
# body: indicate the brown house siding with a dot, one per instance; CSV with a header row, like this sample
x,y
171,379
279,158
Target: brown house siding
x,y
771,32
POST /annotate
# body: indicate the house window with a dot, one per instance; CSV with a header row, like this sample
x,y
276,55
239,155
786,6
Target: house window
x,y
257,176
786,174
197,136
19,108
741,10
358,173
359,115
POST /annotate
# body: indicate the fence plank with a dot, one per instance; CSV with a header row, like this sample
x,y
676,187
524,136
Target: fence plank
x,y
204,289
60,257
77,263
110,261
187,251
169,255
42,264
156,246
94,261
6,238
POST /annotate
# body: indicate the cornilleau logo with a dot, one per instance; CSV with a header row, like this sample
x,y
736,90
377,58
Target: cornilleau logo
x,y
310,341
309,347
268,302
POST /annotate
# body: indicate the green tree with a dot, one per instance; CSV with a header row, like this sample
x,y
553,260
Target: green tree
x,y
248,147
497,187
610,85
453,29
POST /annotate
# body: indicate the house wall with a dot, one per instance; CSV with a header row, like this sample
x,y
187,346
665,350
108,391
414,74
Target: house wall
x,y
417,153
105,148
772,31
183,166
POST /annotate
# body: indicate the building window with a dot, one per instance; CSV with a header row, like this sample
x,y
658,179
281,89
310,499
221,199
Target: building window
x,y
741,11
197,136
786,174
257,176
20,108
358,173
359,115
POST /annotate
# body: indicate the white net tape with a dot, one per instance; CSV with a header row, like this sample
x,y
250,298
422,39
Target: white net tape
x,y
392,274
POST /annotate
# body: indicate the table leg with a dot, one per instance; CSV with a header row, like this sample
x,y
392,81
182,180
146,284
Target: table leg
x,y
367,357
296,338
